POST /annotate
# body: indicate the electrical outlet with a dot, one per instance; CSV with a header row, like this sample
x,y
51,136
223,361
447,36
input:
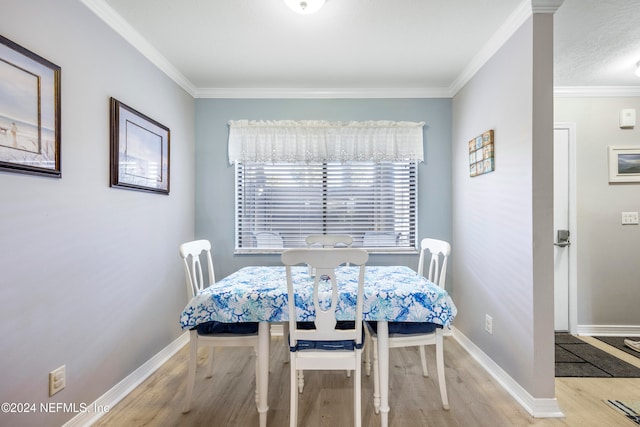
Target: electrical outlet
x,y
57,380
629,217
488,324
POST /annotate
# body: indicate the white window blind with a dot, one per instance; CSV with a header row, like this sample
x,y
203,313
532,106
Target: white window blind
x,y
279,204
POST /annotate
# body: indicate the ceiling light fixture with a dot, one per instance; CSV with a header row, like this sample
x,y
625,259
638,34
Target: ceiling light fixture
x,y
305,7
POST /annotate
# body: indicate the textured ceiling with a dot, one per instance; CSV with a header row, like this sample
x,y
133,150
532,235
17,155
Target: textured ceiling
x,y
597,43
424,45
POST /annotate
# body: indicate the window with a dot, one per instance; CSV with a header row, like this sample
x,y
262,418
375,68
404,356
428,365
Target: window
x,y
279,204
295,178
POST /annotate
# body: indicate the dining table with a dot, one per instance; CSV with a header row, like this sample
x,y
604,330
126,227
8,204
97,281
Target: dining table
x,y
259,294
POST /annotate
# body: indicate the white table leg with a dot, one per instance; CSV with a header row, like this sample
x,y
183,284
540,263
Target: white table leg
x,y
264,338
383,364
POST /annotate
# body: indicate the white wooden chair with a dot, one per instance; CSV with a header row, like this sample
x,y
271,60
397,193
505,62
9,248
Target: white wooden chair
x,y
329,240
269,240
379,239
412,334
332,345
322,241
211,334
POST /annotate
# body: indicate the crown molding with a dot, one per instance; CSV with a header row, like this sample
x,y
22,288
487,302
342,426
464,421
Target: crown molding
x,y
506,30
500,37
120,26
595,91
329,93
545,6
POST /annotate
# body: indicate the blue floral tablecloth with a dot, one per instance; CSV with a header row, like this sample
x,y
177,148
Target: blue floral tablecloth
x,y
259,294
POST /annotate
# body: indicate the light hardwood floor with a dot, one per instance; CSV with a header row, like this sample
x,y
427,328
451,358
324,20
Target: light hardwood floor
x,y
227,399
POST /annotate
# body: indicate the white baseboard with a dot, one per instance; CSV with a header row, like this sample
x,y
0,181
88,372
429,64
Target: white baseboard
x,y
538,408
609,330
124,387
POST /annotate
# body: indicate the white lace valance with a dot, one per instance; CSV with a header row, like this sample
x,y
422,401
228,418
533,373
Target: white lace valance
x,y
316,140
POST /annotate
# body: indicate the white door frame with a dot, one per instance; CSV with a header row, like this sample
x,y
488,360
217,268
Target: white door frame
x,y
573,263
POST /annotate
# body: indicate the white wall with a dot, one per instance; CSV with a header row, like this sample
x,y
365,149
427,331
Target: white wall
x,y
607,258
502,220
90,276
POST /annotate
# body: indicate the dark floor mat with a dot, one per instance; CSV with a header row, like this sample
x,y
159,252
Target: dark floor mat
x,y
576,358
618,342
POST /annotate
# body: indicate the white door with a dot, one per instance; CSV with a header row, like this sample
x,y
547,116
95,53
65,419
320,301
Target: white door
x,y
563,221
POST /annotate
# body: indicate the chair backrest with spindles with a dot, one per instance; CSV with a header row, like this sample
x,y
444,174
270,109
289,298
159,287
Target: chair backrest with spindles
x,y
440,251
325,261
329,240
192,254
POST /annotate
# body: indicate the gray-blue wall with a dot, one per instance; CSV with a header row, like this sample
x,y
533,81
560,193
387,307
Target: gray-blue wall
x,y
215,177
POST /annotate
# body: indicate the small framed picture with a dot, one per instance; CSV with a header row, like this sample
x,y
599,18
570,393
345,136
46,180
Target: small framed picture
x,y
29,112
139,151
481,151
624,164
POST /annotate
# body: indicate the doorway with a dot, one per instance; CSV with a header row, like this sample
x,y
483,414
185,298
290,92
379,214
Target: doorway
x,y
565,230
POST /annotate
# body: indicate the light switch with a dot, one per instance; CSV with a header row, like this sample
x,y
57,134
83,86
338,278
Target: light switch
x,y
629,218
